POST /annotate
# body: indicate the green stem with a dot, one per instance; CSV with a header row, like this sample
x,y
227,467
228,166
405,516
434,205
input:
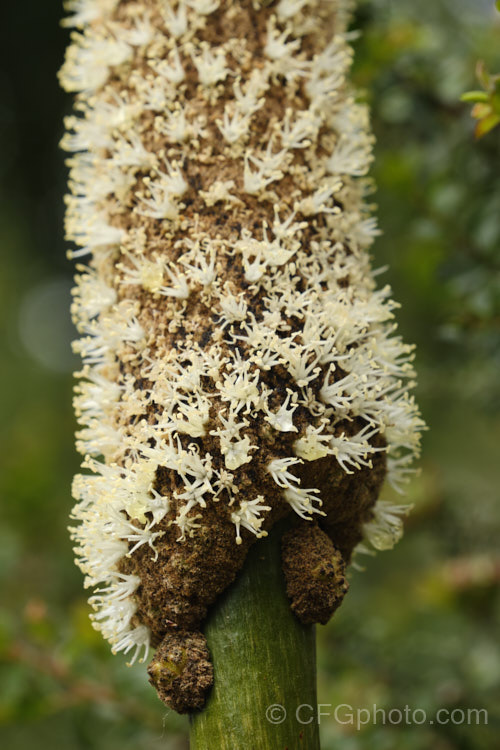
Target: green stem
x,y
262,657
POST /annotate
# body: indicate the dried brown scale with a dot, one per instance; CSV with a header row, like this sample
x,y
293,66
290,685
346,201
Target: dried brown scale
x,y
181,671
314,573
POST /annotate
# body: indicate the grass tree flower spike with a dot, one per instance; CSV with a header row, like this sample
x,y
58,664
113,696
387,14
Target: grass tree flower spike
x,y
239,362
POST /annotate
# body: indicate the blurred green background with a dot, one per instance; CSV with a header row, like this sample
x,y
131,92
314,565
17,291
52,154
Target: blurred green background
x,y
420,626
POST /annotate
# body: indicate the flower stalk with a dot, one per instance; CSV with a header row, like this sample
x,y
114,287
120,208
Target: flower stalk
x,y
264,693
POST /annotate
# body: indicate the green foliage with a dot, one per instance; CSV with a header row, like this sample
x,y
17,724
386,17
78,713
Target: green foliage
x,y
420,625
486,109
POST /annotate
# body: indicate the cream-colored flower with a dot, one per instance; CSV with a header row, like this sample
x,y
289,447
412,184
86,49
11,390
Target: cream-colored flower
x,y
239,360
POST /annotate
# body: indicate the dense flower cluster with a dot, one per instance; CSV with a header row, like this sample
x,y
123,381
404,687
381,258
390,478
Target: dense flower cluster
x,y
230,326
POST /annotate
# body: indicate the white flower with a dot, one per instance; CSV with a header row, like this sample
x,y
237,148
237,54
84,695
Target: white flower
x,y
287,229
138,638
211,67
164,190
176,127
301,502
340,393
283,419
233,127
187,524
234,309
96,394
114,619
157,95
179,286
386,527
327,74
88,61
204,7
95,236
318,201
236,452
286,9
267,169
313,445
248,516
92,296
87,10
251,100
176,22
193,418
240,389
298,134
220,192
298,362
98,438
171,69
141,33
203,272
147,273
277,47
278,468
130,152
354,450
351,155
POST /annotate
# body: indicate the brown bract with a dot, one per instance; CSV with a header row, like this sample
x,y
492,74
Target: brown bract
x,y
314,572
181,671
